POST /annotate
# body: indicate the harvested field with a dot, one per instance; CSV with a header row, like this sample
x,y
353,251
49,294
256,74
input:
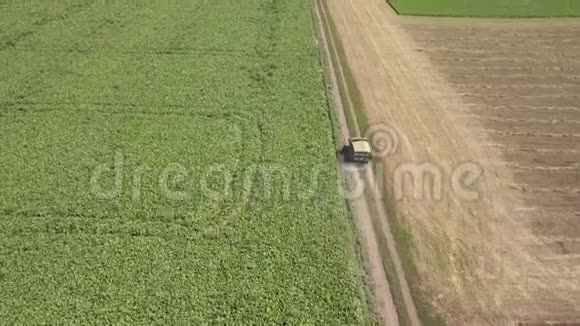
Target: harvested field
x,y
502,94
520,81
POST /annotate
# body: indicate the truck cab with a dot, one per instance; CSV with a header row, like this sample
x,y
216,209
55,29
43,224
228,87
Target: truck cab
x,y
358,150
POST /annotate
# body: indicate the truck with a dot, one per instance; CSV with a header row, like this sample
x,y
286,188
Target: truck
x,y
358,150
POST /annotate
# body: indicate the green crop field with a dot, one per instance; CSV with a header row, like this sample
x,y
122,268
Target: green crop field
x,y
169,161
489,8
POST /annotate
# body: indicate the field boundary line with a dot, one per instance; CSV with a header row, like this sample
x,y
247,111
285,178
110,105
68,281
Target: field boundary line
x,y
382,301
340,130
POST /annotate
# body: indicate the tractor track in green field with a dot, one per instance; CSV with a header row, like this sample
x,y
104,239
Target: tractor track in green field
x,y
15,38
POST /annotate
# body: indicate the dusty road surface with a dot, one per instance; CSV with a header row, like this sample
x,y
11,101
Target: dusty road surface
x,y
489,112
355,179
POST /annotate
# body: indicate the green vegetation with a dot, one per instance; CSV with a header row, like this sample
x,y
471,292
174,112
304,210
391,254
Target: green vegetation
x,y
490,8
167,162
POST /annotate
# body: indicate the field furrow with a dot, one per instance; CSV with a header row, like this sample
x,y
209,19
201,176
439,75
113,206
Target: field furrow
x,y
499,80
556,158
530,90
539,53
556,113
523,100
551,179
507,61
566,127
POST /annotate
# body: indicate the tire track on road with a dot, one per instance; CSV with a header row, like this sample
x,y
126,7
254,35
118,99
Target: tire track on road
x,y
383,300
368,209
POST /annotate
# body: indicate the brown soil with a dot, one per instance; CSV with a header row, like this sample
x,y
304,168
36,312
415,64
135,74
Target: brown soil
x,y
504,94
383,304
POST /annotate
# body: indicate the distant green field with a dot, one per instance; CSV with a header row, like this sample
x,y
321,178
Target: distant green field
x,y
489,8
169,162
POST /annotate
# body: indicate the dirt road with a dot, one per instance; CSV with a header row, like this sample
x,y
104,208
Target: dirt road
x,y
360,202
474,247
